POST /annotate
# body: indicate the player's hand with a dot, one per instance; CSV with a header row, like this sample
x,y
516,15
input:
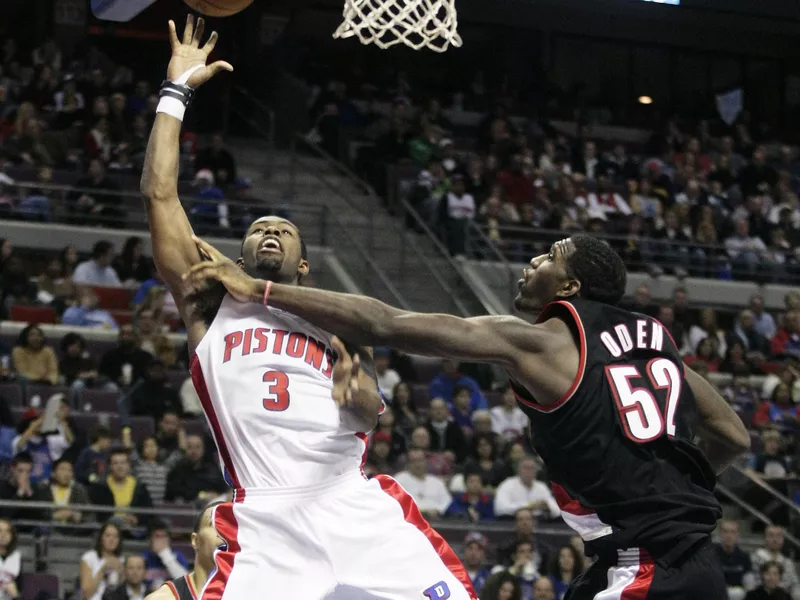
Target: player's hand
x,y
345,374
218,267
188,53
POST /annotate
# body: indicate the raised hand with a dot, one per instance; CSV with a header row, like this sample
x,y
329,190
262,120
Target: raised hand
x,y
218,267
188,53
345,374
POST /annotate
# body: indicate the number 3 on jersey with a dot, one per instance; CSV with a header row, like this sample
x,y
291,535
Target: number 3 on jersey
x,y
641,414
278,399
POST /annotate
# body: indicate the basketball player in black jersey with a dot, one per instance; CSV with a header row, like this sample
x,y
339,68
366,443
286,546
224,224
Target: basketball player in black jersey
x,y
204,541
614,412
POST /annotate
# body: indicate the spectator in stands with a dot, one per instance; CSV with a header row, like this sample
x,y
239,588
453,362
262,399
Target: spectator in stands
x,y
428,491
35,361
6,252
544,589
773,552
523,491
523,568
20,487
565,568
772,574
132,264
76,365
707,328
706,354
461,411
171,439
194,477
756,345
742,397
501,586
148,326
96,200
446,436
736,563
757,176
55,289
746,251
218,160
101,567
33,443
461,210
162,563
149,469
387,377
15,284
64,491
10,561
508,420
762,320
786,341
475,504
69,260
151,396
442,385
736,361
133,586
779,411
98,270
121,489
85,313
405,411
69,103
35,206
771,463
378,455
190,401
126,363
473,559
67,439
483,461
92,463
387,425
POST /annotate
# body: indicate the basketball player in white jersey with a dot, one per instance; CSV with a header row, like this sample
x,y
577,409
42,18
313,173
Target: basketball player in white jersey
x,y
290,428
205,541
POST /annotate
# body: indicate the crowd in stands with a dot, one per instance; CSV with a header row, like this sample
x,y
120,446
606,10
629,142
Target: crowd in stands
x,y
697,198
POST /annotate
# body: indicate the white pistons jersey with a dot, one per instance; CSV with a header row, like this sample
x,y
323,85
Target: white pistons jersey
x,y
264,377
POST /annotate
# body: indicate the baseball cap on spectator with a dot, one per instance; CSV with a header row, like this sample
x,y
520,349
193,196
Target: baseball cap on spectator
x,y
204,176
475,537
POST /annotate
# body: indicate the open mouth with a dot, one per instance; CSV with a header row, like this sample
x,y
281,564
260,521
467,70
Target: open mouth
x,y
270,245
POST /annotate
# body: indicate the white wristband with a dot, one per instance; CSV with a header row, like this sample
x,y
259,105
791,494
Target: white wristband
x,y
172,107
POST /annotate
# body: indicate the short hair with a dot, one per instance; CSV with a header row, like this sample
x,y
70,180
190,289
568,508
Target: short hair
x,y
13,544
599,269
303,247
119,450
769,565
459,387
101,248
198,522
61,461
21,457
100,432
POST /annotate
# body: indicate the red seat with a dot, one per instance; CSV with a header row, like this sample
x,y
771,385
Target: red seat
x,y
33,314
122,317
112,298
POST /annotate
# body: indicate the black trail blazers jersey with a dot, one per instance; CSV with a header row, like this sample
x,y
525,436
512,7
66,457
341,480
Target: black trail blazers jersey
x,y
618,446
183,588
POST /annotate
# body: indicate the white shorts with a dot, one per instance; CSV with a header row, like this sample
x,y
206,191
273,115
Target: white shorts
x,y
350,539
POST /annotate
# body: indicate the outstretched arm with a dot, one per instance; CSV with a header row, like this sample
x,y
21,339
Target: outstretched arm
x,y
365,321
722,434
174,251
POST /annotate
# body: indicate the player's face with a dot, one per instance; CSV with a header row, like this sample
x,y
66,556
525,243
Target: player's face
x,y
272,250
546,279
206,541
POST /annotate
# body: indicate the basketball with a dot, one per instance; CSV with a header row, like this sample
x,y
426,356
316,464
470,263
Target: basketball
x,y
219,8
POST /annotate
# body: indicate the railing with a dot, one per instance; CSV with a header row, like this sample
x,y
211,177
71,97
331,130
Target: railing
x,y
256,115
754,513
506,274
366,212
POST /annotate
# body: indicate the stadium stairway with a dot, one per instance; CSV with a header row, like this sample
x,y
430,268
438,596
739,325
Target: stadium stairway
x,y
360,230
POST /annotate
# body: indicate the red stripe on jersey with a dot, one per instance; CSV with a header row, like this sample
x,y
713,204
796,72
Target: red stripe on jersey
x,y
364,438
581,362
640,586
567,503
171,586
414,517
213,421
227,527
190,584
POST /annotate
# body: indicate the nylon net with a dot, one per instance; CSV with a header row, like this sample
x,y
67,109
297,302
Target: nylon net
x,y
416,23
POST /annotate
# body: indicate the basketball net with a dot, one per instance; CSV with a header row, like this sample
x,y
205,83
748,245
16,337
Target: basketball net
x,y
415,23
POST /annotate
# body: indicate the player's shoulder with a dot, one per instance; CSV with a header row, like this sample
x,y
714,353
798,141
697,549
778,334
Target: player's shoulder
x,y
163,593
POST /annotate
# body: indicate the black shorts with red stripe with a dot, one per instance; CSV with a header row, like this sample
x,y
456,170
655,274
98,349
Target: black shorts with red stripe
x,y
634,575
